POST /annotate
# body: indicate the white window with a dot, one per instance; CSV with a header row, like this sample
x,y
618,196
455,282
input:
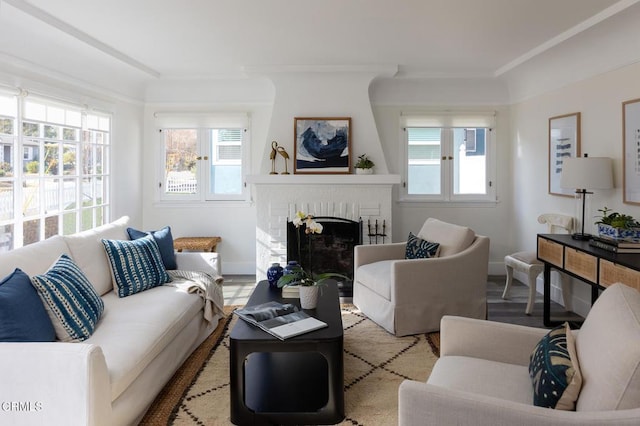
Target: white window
x,y
448,157
204,157
54,174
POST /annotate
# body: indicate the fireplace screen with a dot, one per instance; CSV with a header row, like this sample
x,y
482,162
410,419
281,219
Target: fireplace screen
x,y
330,251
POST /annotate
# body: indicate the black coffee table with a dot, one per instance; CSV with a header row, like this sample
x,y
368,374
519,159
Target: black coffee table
x,y
296,381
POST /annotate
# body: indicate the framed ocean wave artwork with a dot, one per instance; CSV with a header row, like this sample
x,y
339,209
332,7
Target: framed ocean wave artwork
x,y
322,145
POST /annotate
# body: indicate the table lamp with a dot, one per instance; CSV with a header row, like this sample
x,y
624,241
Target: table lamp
x,y
583,173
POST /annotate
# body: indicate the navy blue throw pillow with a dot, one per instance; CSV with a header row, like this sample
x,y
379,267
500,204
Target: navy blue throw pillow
x,y
22,314
165,243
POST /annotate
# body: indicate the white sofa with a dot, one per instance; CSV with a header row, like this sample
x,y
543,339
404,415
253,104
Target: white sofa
x,y
139,342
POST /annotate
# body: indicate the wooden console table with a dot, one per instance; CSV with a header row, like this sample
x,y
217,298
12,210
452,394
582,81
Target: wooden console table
x,y
206,244
597,267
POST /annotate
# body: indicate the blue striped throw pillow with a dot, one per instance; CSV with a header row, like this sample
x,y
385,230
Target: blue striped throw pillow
x,y
70,300
136,265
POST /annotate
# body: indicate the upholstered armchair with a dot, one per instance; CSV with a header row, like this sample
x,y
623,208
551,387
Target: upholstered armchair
x,y
410,296
482,376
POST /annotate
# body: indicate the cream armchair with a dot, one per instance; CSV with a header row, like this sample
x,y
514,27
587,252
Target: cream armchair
x,y
410,296
482,376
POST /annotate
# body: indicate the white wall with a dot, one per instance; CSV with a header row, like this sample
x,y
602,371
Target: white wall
x,y
599,100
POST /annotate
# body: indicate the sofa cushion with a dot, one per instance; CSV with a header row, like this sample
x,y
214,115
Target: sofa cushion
x,y
135,329
452,238
88,253
72,303
165,242
33,258
609,353
376,276
22,315
554,370
417,248
500,380
135,265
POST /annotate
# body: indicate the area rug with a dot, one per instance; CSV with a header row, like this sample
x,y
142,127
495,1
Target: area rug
x,y
375,363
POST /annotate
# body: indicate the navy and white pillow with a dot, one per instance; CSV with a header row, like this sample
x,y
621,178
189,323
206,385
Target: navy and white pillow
x,y
417,248
136,265
70,300
554,370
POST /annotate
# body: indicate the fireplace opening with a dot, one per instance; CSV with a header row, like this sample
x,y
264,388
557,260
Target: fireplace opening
x,y
331,251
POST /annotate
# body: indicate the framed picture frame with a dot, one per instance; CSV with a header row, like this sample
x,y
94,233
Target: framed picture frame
x,y
322,145
564,142
631,149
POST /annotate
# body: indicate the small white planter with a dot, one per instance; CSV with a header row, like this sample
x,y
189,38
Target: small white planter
x,y
309,296
364,171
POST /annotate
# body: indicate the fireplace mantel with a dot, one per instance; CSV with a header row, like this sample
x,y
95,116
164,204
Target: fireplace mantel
x,y
278,197
320,179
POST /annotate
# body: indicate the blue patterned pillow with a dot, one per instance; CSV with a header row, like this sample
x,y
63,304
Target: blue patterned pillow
x,y
417,248
136,265
72,303
22,315
165,243
554,371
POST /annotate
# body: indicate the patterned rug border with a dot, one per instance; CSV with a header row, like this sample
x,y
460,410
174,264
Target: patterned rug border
x,y
165,408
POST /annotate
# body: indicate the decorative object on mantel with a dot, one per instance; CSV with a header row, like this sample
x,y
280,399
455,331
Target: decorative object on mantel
x,y
364,166
284,155
375,234
618,226
582,173
564,142
631,155
300,276
322,145
272,156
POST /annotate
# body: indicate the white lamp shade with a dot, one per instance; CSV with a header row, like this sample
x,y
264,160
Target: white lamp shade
x,y
587,173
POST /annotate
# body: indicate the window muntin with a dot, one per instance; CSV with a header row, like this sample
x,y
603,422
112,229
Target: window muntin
x,y
53,170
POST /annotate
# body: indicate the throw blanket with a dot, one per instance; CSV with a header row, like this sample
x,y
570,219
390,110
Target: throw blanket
x,y
206,286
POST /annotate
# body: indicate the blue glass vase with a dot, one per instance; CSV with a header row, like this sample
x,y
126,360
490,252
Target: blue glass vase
x,y
273,274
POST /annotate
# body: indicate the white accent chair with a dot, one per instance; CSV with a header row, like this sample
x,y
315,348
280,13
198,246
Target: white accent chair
x,y
410,296
482,377
528,263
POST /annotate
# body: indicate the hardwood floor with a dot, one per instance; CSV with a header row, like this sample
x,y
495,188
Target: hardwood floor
x,y
238,288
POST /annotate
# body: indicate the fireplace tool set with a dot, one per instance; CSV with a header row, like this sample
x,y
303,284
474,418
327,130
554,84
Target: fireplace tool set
x,y
373,236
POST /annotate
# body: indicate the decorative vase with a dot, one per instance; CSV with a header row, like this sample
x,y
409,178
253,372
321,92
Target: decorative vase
x,y
309,296
292,266
360,171
274,273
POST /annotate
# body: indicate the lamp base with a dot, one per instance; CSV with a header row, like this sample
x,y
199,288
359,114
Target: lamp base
x,y
581,236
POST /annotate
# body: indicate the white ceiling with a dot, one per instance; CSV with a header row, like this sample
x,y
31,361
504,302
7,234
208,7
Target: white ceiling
x,y
123,45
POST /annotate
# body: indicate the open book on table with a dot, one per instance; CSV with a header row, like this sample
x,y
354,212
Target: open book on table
x,y
280,320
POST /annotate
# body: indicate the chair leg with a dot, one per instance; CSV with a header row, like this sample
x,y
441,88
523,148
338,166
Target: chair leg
x,y
533,275
507,285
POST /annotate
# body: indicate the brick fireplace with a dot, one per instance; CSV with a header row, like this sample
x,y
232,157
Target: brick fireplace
x,y
279,197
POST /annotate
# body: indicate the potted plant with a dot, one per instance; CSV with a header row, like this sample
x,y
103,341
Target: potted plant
x,y
364,166
305,278
617,225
